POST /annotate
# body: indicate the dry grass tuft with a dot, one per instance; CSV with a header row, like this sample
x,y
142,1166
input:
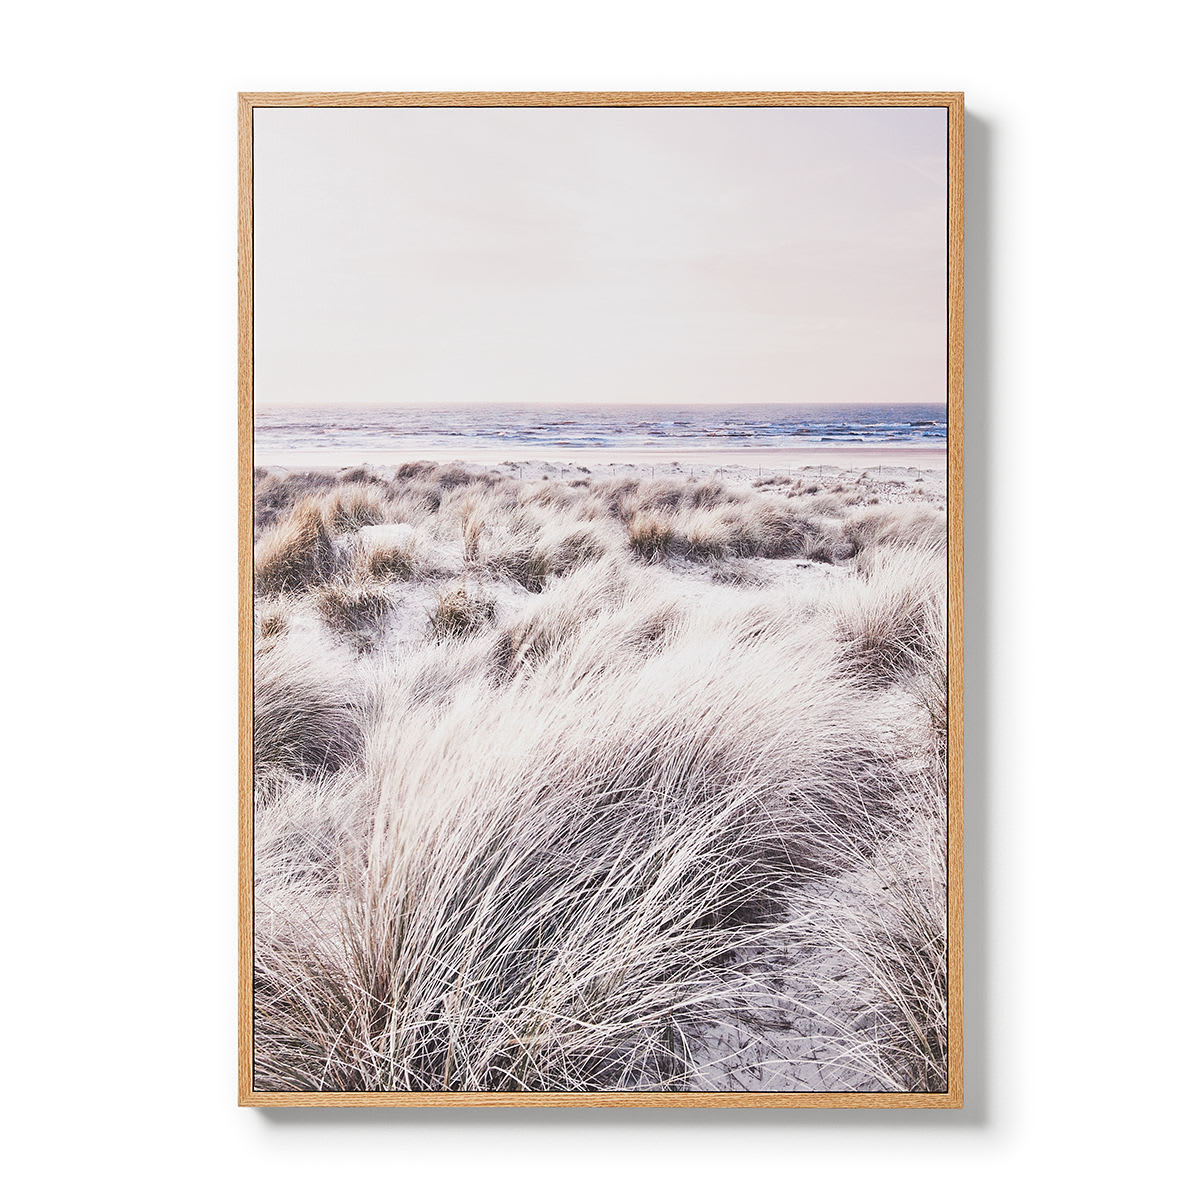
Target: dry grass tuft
x,y
461,612
273,622
305,713
415,470
274,495
295,553
391,553
890,613
652,536
351,506
353,608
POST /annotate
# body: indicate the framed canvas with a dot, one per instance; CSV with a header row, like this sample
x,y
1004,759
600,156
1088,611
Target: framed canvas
x,y
600,536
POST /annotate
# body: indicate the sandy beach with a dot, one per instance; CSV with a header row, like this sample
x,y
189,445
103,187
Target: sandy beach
x,y
743,458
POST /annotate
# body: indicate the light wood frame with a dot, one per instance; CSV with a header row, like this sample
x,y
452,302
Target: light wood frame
x,y
247,103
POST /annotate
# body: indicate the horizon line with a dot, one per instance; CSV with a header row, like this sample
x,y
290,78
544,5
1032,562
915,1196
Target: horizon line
x,y
602,404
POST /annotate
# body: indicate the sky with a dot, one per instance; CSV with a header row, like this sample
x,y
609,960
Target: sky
x,y
570,255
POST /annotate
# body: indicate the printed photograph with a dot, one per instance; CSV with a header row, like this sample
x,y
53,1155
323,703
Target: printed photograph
x,y
600,602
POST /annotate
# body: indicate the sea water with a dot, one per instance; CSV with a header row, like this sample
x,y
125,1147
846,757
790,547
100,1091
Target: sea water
x,y
514,431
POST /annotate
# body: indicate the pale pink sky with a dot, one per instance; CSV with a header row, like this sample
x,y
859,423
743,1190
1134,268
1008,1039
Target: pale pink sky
x,y
561,255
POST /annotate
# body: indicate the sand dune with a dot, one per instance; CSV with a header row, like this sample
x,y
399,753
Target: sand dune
x,y
574,780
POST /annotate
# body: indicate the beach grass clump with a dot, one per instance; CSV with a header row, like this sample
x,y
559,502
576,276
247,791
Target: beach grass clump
x,y
779,529
571,604
930,683
733,524
708,493
275,495
391,553
823,504
473,521
889,613
455,476
704,533
533,550
616,495
304,827
382,561
415,470
461,612
570,545
353,607
272,621
663,495
306,717
362,474
524,562
509,948
754,527
652,535
349,507
896,525
296,552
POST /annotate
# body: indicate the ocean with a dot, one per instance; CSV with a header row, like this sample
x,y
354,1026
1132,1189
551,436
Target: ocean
x,y
524,431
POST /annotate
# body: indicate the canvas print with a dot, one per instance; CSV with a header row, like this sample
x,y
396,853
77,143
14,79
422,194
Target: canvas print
x,y
601,706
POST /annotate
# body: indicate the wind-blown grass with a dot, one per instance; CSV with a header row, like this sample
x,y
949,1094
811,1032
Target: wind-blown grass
x,y
305,719
534,832
890,1021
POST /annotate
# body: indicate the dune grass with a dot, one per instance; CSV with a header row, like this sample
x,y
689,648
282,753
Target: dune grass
x,y
459,612
889,1019
598,749
305,721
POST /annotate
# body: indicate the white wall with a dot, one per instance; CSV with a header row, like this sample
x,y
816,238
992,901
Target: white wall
x,y
120,347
